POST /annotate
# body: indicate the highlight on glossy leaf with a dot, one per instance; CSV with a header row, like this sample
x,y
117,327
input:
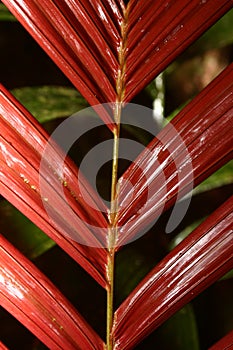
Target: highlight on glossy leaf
x,y
37,304
170,166
199,260
2,346
124,42
22,143
63,29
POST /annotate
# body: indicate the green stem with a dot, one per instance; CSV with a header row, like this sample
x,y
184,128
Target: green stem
x,y
110,293
113,230
113,209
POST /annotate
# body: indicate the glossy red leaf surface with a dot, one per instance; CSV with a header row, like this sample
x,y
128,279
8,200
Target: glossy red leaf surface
x,y
2,346
203,257
35,301
22,144
109,51
178,158
82,38
225,343
158,31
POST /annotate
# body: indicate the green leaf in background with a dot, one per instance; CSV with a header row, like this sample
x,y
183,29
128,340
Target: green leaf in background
x,y
21,232
175,112
217,181
47,103
5,14
227,276
182,331
223,176
178,333
220,35
132,265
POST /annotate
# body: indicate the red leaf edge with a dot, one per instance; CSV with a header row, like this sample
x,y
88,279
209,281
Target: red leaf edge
x,y
198,261
225,343
2,346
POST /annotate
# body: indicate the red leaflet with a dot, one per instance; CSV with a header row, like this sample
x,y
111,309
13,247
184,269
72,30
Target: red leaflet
x,y
179,156
72,219
203,257
36,303
82,38
96,43
2,346
224,343
158,31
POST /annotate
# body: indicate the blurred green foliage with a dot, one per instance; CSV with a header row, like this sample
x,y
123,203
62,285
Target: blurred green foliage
x,y
5,14
20,231
47,103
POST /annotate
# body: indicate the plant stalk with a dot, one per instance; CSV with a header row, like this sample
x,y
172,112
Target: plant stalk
x,y
113,230
110,293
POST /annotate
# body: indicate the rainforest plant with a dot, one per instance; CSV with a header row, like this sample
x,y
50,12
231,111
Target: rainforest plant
x,y
110,50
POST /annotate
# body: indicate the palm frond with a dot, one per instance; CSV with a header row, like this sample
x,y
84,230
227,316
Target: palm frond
x,y
110,51
224,343
178,158
22,144
36,302
95,42
158,31
203,257
82,38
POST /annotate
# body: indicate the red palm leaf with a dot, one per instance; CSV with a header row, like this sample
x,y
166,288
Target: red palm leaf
x,y
178,156
105,48
202,258
2,346
63,29
224,343
36,302
158,31
22,143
